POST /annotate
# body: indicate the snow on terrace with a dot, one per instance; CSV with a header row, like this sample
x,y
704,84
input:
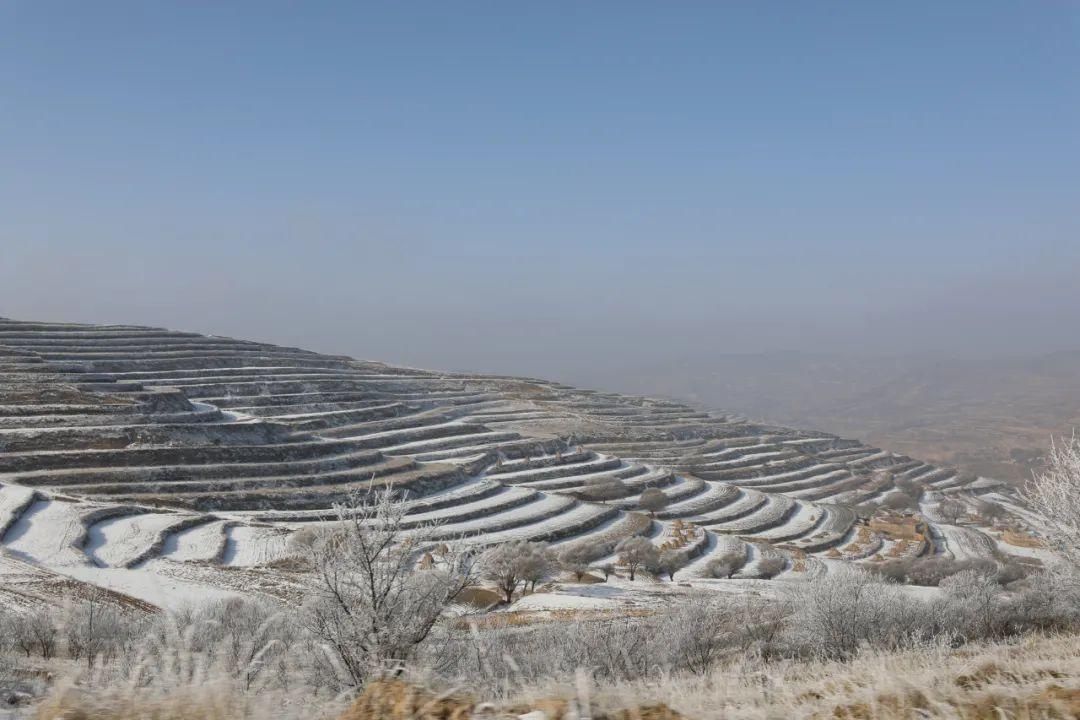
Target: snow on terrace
x,y
247,545
737,449
165,592
580,514
204,542
13,500
43,537
445,515
45,534
530,515
575,597
119,541
716,546
966,543
741,459
802,522
754,481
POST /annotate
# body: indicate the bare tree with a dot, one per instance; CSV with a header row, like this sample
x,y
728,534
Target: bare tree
x,y
94,628
370,605
899,502
700,629
1055,495
866,510
670,562
606,488
952,510
502,565
653,500
989,510
37,631
636,552
909,487
537,563
575,559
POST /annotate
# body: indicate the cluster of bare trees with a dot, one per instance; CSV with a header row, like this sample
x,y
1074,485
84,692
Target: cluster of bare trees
x,y
518,563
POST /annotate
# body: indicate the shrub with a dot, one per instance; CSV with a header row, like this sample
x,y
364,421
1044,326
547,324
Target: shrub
x,y
928,571
771,566
726,564
367,602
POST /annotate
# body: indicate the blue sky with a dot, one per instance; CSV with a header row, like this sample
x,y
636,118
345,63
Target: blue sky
x,y
531,187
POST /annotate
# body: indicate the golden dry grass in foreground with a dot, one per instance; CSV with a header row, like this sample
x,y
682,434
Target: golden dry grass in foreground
x,y
1036,678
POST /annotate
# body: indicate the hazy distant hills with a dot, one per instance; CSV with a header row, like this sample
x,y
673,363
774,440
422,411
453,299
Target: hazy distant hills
x,y
992,416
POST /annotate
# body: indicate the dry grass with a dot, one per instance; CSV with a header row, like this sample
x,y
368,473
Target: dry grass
x,y
188,701
1034,679
1037,678
1021,539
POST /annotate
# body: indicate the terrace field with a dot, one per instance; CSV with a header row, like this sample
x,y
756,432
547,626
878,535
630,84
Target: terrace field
x,y
170,465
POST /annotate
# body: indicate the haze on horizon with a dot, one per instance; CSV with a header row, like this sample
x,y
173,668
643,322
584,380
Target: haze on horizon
x,y
568,190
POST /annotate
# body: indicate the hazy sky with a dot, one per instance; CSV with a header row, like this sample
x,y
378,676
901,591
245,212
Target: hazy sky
x,y
542,187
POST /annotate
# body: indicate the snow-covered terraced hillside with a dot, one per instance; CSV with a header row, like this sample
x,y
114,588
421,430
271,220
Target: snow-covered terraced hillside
x,y
131,447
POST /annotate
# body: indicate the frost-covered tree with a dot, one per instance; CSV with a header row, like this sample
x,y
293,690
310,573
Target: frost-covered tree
x,y
514,563
899,501
36,631
771,566
653,500
575,559
537,563
606,488
371,606
989,510
952,510
1055,495
94,629
727,563
637,552
670,562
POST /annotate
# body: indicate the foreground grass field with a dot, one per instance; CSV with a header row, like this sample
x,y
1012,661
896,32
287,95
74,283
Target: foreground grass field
x,y
1033,678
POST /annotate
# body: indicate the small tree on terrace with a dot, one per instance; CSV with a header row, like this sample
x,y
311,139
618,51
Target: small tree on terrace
x,y
636,552
989,510
653,500
604,489
952,510
516,563
370,605
670,562
899,501
1055,495
727,563
575,559
502,565
537,563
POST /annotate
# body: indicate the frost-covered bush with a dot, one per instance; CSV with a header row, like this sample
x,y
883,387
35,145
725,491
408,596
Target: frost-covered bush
x,y
370,606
